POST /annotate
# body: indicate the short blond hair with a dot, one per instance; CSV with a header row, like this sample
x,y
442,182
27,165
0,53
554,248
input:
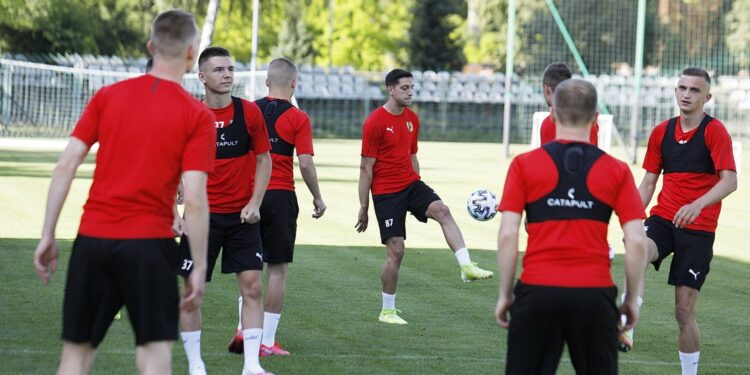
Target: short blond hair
x,y
575,102
173,32
281,72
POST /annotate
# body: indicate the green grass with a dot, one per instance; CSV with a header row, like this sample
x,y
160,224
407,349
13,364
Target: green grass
x,y
330,318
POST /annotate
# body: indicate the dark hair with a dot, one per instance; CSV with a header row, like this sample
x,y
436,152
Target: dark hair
x,y
149,64
173,31
697,72
575,102
212,52
555,73
391,79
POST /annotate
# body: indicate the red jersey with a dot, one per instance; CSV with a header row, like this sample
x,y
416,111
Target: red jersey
x,y
548,132
230,185
293,127
391,140
149,131
569,252
682,188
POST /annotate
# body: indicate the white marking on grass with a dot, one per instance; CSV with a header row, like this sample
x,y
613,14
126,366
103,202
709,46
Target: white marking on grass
x,y
401,357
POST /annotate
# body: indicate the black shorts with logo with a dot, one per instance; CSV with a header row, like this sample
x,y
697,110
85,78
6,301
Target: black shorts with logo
x,y
693,251
105,274
544,318
278,225
391,208
240,242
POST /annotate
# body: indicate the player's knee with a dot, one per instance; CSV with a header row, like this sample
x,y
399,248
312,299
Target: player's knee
x,y
684,314
440,211
395,249
251,290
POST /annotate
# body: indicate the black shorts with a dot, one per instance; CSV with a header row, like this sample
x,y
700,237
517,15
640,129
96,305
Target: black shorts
x,y
106,274
391,208
693,250
278,225
240,242
544,318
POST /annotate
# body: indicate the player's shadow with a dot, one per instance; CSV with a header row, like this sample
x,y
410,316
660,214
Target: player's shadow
x,y
15,163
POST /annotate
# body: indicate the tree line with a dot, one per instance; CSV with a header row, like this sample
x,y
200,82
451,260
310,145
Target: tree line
x,y
379,34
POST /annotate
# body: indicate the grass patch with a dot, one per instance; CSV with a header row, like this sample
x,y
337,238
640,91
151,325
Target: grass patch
x,y
330,319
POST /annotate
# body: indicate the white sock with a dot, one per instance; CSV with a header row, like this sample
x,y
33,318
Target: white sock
x,y
689,363
191,341
270,324
389,301
239,314
462,255
251,343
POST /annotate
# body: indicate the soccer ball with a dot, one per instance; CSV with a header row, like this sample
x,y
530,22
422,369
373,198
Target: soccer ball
x,y
482,205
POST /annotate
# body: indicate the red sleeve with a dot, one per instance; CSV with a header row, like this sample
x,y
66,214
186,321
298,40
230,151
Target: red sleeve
x,y
303,135
371,135
200,149
628,205
547,131
87,128
415,140
594,135
719,142
256,127
514,196
652,161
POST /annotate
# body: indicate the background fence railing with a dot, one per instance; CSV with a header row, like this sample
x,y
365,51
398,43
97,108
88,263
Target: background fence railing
x,y
46,100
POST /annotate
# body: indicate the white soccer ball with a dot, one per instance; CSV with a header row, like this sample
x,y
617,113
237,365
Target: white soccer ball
x,y
482,205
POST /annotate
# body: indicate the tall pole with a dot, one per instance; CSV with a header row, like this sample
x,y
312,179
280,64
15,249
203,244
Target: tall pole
x,y
254,48
509,75
331,4
637,74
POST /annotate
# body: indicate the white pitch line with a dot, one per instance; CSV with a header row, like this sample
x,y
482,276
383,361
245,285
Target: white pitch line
x,y
401,357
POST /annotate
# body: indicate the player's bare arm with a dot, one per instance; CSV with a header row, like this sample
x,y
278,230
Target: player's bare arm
x,y
47,251
196,221
635,269
415,163
688,213
251,211
310,176
647,187
507,258
365,182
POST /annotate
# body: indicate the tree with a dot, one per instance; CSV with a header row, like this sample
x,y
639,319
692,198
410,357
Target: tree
x,y
294,40
367,34
434,40
738,33
98,27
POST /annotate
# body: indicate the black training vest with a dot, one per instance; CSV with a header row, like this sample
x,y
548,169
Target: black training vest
x,y
272,110
692,156
571,198
233,141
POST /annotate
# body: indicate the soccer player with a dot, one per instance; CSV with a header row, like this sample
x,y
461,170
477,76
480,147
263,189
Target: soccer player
x,y
235,192
568,189
694,151
390,168
150,130
289,129
554,74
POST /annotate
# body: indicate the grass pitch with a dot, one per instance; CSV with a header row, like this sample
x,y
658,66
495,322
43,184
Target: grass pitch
x,y
329,321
